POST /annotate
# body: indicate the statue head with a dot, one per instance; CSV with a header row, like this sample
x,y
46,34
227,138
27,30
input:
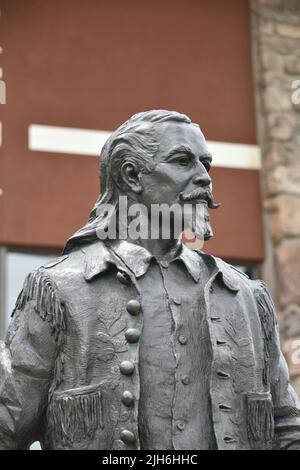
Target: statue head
x,y
156,157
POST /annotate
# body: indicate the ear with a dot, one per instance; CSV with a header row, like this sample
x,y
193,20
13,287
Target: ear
x,y
130,175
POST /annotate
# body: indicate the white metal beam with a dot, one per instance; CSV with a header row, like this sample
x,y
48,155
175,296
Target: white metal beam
x,y
68,140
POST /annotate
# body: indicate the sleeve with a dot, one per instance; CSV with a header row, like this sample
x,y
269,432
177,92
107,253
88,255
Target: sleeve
x,y
286,406
29,362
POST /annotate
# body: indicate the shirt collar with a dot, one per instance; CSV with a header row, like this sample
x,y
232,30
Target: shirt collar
x,y
137,259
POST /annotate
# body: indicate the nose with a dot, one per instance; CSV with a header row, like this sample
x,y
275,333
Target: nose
x,y
203,179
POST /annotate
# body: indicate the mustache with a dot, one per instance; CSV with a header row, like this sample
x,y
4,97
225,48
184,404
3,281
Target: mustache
x,y
199,194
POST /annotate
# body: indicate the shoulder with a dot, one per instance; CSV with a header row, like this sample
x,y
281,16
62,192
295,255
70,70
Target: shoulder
x,y
45,289
257,287
55,267
233,278
84,262
232,271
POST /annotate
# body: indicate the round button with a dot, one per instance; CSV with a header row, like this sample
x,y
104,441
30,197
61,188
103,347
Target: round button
x,y
126,368
123,278
180,426
182,339
127,398
185,380
127,437
132,335
133,307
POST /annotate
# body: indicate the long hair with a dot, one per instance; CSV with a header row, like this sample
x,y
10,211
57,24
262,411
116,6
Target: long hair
x,y
135,140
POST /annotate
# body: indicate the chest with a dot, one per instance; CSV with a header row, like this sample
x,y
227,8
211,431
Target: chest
x,y
115,320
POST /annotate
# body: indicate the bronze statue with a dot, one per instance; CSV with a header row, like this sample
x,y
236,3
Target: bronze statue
x,y
143,343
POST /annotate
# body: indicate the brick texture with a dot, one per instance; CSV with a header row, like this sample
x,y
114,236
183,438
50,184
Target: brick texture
x,y
276,53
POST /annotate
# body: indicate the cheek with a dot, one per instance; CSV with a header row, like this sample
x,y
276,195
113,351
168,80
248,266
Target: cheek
x,y
164,184
171,177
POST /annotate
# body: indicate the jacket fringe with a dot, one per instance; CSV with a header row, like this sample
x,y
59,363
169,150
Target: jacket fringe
x,y
75,418
268,321
260,422
39,288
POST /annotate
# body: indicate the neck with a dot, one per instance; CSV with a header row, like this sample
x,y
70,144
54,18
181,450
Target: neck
x,y
158,246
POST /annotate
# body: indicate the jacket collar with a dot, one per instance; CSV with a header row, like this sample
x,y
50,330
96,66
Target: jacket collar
x,y
137,259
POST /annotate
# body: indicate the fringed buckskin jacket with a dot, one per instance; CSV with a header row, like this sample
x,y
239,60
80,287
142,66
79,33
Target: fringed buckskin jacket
x,y
70,365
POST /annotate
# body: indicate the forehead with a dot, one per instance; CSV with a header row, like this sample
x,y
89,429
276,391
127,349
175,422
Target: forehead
x,y
176,134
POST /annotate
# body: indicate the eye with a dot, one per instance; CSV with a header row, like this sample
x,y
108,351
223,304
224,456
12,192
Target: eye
x,y
183,160
206,164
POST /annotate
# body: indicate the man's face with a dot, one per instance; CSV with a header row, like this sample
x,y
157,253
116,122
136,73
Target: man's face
x,y
182,164
180,176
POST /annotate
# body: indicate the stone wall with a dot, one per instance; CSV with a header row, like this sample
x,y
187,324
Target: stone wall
x,y
276,50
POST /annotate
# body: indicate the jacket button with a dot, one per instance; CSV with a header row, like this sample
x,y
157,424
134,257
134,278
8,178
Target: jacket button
x,y
180,425
133,307
132,335
182,339
127,398
126,368
164,264
127,437
123,278
185,380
